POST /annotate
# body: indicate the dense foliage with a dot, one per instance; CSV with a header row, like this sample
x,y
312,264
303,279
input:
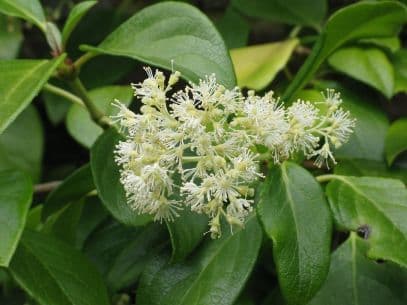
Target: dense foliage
x,y
318,220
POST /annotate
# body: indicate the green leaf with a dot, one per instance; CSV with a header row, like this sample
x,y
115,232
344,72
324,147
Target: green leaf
x,y
256,66
186,232
233,28
391,44
396,139
106,243
76,14
80,125
287,11
106,175
28,10
295,215
172,35
54,273
399,60
362,167
73,188
10,37
63,225
357,21
56,107
130,262
355,280
22,80
93,214
15,198
377,207
214,275
369,65
21,148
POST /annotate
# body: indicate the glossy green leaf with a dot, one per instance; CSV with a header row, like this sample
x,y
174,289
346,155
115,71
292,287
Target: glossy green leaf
x,y
377,207
233,28
29,10
357,21
186,232
78,122
73,188
106,175
287,11
21,147
256,66
10,37
369,65
214,275
355,280
295,215
396,139
52,272
372,168
76,14
173,36
15,199
21,81
399,60
132,259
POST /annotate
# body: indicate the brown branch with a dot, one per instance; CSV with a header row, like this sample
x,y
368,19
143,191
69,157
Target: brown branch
x,y
46,187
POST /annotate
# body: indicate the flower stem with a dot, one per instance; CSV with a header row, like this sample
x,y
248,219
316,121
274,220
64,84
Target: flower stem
x,y
325,178
97,116
63,93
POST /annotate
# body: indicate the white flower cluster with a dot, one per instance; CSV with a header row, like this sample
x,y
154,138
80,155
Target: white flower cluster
x,y
201,146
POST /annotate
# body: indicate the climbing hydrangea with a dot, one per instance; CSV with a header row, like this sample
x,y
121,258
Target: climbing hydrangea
x,y
201,147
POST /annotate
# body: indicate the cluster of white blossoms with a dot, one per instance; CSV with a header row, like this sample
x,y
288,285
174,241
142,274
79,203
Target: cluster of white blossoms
x,y
200,148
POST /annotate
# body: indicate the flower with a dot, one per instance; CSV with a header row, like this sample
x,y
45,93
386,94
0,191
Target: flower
x,y
200,148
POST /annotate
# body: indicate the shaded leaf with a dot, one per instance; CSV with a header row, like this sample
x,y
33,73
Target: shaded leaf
x,y
15,199
54,273
22,80
287,11
172,35
106,175
355,280
214,275
73,188
396,139
133,258
80,125
399,60
369,65
372,168
295,215
106,243
256,66
21,144
186,232
376,207
76,14
233,28
351,23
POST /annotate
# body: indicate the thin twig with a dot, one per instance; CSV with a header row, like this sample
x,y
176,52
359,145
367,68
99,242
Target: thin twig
x,y
63,93
46,187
